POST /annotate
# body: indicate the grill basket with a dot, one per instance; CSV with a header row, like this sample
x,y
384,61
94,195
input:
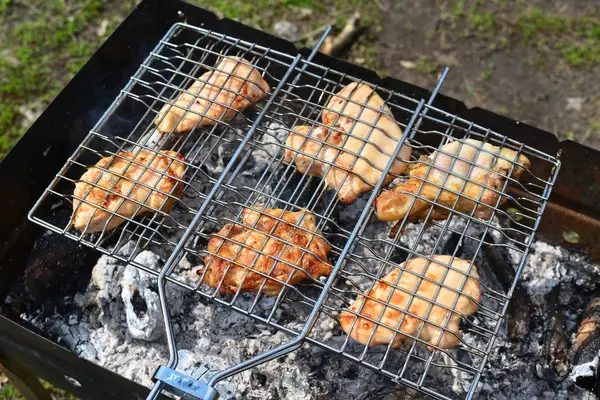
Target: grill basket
x,y
238,164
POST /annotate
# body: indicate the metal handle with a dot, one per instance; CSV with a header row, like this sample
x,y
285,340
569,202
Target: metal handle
x,y
185,386
165,375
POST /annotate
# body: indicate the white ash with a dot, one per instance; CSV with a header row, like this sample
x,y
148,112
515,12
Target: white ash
x,y
210,337
271,140
586,370
147,324
546,267
544,271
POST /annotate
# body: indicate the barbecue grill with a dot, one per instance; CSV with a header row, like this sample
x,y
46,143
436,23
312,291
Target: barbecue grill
x,y
302,89
302,82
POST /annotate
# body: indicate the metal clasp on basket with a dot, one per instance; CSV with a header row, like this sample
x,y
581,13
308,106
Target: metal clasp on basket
x,y
185,386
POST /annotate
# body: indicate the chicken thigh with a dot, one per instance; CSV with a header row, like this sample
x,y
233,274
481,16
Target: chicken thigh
x,y
288,251
136,184
478,172
427,308
358,123
217,95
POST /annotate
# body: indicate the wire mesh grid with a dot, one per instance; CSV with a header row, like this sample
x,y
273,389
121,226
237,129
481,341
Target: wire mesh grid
x,y
459,176
375,250
135,143
267,203
298,206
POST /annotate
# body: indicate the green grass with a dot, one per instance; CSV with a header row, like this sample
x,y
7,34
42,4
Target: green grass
x,y
47,43
261,12
535,21
481,20
367,56
486,74
458,10
43,43
56,393
476,18
575,39
311,13
427,66
9,392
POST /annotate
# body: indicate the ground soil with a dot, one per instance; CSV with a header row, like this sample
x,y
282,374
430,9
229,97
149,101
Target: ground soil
x,y
517,80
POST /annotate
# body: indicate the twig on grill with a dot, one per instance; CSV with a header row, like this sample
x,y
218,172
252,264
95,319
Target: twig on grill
x,y
348,35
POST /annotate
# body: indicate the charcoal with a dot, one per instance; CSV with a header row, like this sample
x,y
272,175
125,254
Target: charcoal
x,y
519,315
453,246
57,266
519,308
585,351
15,304
555,348
554,362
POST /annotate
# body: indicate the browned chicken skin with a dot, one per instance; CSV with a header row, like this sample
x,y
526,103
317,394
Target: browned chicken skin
x,y
143,173
405,301
216,95
365,170
488,172
307,252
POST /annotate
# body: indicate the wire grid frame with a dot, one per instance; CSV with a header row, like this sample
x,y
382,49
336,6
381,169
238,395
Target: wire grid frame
x,y
265,180
372,252
128,130
267,184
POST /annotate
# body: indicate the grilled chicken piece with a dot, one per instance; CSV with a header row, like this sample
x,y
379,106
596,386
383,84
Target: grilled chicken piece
x,y
489,172
404,301
345,138
133,178
304,254
217,95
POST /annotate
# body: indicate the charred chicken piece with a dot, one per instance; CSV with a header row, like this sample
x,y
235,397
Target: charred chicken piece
x,y
127,184
477,170
361,124
288,251
233,86
375,304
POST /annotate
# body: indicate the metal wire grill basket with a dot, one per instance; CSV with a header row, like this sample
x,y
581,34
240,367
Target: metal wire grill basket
x,y
129,126
250,166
